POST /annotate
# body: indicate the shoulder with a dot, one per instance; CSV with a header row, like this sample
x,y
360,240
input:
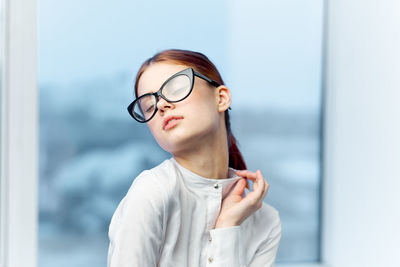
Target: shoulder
x,y
145,203
154,181
269,220
153,185
269,214
147,196
158,176
262,231
273,232
267,217
164,175
266,221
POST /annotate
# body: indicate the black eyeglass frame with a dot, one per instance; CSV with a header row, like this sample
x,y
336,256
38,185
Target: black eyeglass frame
x,y
189,72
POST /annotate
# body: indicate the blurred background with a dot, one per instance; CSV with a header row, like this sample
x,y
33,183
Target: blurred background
x,y
269,54
69,151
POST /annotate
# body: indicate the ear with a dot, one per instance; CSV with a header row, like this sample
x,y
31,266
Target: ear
x,y
224,98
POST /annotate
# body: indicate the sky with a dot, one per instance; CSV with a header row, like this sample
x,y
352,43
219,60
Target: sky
x,y
268,52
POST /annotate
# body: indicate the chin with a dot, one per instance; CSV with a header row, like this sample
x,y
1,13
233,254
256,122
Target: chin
x,y
185,136
177,140
175,144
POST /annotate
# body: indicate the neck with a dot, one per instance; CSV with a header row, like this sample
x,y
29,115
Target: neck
x,y
210,158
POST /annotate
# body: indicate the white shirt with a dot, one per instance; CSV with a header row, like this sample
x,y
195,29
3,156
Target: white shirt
x,y
167,219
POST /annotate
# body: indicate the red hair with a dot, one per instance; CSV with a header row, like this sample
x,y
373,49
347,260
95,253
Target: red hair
x,y
203,65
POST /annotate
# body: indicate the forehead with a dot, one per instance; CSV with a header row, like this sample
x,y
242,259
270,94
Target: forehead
x,y
155,75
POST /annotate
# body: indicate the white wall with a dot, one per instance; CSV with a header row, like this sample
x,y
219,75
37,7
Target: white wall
x,y
362,134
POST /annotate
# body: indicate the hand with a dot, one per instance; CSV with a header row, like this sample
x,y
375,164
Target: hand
x,y
234,208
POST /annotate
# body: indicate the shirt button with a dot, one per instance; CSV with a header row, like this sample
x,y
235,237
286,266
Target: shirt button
x,y
210,239
216,185
210,259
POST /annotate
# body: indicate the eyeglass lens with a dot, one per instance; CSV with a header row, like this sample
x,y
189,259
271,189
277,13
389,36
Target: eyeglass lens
x,y
174,90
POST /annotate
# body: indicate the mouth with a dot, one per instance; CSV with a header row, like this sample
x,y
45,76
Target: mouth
x,y
171,121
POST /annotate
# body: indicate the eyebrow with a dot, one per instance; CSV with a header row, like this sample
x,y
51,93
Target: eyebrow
x,y
147,91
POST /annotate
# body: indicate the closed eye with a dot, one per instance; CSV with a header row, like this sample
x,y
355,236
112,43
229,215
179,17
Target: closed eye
x,y
149,109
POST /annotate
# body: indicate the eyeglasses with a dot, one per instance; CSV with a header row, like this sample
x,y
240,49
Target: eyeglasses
x,y
176,88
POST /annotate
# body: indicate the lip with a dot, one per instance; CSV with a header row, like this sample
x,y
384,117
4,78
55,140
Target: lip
x,y
171,121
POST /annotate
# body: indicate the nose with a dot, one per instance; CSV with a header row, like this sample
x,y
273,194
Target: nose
x,y
163,105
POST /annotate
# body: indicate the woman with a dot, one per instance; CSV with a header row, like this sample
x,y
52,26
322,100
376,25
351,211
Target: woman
x,y
191,210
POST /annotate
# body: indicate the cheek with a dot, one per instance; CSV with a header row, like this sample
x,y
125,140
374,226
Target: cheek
x,y
201,119
202,102
204,109
154,128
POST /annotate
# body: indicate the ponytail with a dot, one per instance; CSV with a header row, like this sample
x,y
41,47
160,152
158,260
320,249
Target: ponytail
x,y
235,157
236,160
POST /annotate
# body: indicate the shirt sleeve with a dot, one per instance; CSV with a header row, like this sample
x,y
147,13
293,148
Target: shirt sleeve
x,y
266,253
226,248
136,229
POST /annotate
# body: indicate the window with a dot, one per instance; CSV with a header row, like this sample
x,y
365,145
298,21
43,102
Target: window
x,y
351,169
91,150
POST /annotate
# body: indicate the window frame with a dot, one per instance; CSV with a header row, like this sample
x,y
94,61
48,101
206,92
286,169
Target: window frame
x,y
19,140
19,134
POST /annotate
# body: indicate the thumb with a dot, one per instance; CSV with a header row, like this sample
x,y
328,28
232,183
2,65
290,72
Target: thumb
x,y
239,187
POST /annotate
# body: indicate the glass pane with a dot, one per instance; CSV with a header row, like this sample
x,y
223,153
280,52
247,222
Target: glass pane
x,y
91,149
275,74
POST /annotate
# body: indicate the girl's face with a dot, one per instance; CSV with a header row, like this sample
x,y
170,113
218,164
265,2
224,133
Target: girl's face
x,y
181,126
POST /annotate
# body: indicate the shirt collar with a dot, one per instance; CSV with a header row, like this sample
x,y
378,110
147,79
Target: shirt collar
x,y
207,185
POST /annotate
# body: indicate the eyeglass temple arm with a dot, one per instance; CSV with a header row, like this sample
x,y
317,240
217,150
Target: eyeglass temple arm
x,y
208,80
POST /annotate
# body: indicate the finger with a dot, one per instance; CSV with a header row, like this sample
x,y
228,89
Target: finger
x,y
265,190
253,198
246,174
239,187
259,182
258,186
266,185
257,178
249,175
